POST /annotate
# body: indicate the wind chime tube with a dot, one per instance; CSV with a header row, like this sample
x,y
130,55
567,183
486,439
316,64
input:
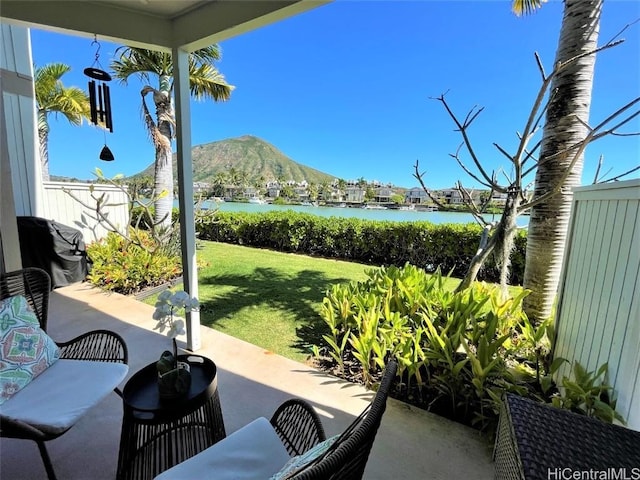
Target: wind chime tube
x,y
101,105
107,103
92,102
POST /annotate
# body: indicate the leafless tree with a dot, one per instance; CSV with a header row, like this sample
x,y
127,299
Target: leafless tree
x,y
498,237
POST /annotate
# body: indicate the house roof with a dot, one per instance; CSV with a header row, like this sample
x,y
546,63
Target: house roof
x,y
154,24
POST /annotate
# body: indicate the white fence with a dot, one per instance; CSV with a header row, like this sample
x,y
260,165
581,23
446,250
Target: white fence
x,y
598,306
79,212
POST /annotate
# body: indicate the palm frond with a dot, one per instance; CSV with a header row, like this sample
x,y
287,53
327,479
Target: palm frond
x,y
204,78
206,81
526,7
47,80
140,62
53,97
209,54
74,104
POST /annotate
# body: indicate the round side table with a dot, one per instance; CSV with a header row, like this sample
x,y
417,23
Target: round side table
x,y
158,434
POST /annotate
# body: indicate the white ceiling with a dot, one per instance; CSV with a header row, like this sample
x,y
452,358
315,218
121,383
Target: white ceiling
x,y
160,8
157,24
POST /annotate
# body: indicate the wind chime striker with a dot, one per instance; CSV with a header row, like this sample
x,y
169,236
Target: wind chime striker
x,y
100,100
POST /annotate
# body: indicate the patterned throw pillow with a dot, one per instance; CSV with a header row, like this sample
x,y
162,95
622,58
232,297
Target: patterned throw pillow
x,y
298,462
25,349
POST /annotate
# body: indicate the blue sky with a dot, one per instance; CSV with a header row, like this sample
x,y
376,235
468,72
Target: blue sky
x,y
346,89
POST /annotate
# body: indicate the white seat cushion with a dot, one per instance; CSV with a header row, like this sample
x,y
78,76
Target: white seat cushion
x,y
55,400
254,452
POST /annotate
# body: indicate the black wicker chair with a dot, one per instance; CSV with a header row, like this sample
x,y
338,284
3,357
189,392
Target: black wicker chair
x,y
296,426
299,428
98,345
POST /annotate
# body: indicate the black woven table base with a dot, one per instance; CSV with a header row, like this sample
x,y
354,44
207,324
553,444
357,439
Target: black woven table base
x,y
537,441
156,435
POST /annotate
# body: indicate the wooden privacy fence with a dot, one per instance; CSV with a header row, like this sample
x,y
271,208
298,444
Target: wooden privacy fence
x,y
598,317
63,208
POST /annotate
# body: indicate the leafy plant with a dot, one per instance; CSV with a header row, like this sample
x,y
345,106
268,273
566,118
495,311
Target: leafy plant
x,y
457,352
125,267
588,394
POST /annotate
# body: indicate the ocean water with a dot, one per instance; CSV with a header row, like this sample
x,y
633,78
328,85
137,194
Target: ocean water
x,y
347,212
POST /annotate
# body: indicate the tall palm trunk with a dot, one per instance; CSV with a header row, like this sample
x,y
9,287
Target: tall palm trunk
x,y
563,128
43,137
164,155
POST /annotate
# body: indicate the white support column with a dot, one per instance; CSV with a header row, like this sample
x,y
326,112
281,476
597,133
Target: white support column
x,y
185,190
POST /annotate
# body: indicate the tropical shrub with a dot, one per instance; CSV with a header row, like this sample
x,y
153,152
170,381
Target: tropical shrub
x,y
142,217
127,267
448,247
457,352
588,394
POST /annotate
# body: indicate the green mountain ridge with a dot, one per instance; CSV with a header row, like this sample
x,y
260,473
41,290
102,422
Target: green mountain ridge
x,y
258,159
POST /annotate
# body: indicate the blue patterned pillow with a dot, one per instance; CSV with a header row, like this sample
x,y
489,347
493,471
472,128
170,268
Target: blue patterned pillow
x,y
25,349
299,462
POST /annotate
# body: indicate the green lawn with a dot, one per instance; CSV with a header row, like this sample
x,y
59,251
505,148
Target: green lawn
x,y
268,298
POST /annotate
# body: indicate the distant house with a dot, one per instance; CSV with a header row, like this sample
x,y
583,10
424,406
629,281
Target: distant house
x,y
302,192
199,187
251,192
334,195
383,194
416,195
273,189
355,194
452,196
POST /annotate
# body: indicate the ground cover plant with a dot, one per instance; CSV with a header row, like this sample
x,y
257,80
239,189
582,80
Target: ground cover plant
x,y
126,267
458,352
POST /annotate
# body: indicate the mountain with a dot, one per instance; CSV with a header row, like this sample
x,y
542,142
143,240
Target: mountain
x,y
259,159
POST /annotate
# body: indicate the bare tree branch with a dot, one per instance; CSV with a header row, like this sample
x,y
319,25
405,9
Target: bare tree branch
x,y
566,63
540,67
529,156
622,31
462,128
419,176
595,177
491,184
467,199
618,177
504,152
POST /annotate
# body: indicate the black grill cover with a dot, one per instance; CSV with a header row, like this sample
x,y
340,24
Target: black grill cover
x,y
54,247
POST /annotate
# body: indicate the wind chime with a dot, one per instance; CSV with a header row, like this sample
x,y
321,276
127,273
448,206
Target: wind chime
x,y
100,100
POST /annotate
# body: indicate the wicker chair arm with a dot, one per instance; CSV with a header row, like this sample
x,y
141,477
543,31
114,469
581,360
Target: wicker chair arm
x,y
298,426
97,345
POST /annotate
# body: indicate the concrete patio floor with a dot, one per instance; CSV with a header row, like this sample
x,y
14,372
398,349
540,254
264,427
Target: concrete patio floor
x,y
411,443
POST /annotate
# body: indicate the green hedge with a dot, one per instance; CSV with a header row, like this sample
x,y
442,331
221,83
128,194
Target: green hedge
x,y
447,246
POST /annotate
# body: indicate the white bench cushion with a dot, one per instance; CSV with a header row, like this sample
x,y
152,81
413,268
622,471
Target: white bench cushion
x,y
254,452
55,400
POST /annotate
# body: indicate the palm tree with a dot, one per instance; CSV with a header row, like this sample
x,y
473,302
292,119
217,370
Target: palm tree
x,y
313,190
205,82
219,182
53,97
565,125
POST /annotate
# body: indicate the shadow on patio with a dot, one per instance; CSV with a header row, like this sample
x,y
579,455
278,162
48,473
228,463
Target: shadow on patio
x,y
411,443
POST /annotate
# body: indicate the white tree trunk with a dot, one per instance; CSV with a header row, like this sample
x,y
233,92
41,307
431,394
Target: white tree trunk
x,y
164,156
163,204
43,138
549,220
